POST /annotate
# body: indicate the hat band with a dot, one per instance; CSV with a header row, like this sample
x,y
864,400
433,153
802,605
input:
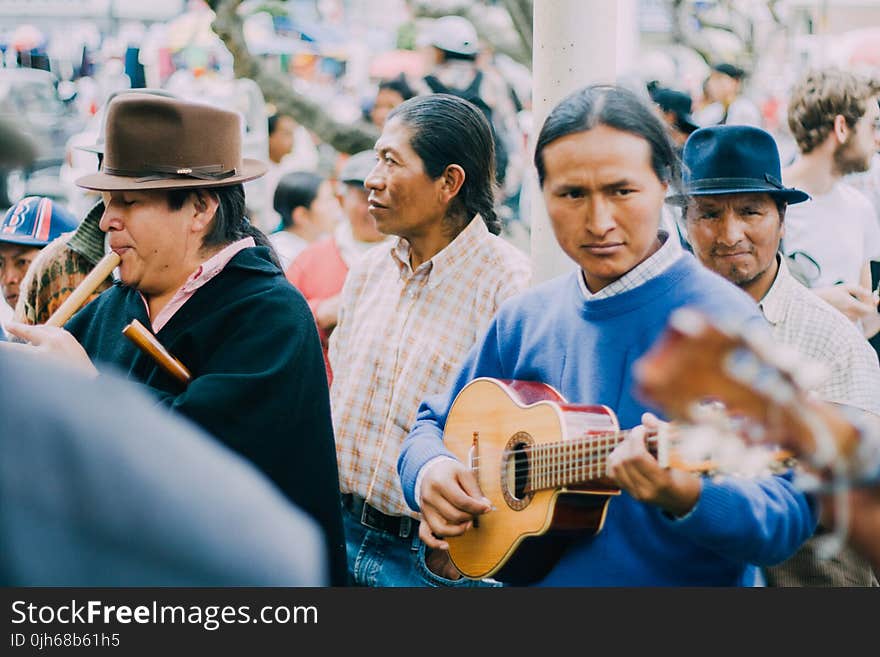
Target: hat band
x,y
163,172
741,183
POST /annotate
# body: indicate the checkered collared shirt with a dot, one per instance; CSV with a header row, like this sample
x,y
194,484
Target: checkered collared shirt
x,y
817,331
401,337
670,250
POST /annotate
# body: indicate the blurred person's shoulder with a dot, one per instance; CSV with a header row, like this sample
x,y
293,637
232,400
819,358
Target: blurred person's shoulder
x,y
315,255
743,111
374,263
853,199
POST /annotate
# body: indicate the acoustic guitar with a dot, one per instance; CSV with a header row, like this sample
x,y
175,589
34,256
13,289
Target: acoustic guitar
x,y
541,461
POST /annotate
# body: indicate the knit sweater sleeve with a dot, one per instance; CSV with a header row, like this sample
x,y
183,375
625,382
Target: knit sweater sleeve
x,y
762,521
759,521
425,439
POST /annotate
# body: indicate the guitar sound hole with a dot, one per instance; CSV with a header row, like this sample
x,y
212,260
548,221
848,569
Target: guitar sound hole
x,y
520,470
515,471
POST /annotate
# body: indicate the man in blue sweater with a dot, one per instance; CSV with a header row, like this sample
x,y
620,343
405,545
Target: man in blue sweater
x,y
604,163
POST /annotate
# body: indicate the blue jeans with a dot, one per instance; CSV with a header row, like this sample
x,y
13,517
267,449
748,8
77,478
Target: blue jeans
x,y
377,558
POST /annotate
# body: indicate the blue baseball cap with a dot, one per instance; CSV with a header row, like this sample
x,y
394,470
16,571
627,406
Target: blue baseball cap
x,y
36,221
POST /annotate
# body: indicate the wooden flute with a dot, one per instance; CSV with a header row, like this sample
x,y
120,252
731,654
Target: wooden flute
x,y
82,292
147,342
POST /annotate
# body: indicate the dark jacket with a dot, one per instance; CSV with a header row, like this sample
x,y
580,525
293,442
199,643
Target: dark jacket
x,y
259,385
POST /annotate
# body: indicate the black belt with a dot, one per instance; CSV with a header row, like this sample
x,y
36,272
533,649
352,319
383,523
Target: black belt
x,y
370,516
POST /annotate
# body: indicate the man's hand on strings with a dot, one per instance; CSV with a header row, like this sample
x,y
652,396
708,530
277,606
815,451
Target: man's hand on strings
x,y
637,472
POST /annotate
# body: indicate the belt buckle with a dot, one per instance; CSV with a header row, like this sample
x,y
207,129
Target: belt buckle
x,y
365,512
405,529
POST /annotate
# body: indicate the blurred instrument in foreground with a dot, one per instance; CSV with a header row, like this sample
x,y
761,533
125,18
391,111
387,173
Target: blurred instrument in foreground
x,y
753,377
767,384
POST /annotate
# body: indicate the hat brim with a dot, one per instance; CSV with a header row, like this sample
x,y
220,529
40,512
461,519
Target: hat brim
x,y
790,195
103,182
24,241
687,121
467,52
97,149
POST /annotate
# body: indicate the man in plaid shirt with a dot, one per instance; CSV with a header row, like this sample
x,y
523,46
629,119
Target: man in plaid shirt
x,y
410,312
735,225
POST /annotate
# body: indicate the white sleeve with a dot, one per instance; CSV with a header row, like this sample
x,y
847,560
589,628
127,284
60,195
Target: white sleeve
x,y
872,234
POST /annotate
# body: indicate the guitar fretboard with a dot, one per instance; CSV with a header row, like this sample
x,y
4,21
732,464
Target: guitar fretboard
x,y
572,462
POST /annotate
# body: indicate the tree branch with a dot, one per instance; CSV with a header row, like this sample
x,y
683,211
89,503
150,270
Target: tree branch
x,y
679,15
774,12
517,49
522,13
344,137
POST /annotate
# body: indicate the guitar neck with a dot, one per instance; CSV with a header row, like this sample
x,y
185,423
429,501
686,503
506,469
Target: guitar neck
x,y
578,461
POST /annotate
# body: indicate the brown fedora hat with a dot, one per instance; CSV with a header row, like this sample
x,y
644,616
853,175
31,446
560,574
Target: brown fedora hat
x,y
154,142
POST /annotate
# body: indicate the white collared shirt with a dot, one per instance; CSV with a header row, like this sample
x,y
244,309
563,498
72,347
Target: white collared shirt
x,y
670,251
819,332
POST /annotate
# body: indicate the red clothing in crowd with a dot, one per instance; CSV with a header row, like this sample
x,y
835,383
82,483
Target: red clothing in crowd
x,y
319,273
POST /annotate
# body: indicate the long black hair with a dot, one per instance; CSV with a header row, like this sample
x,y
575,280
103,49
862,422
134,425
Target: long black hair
x,y
230,222
448,130
616,108
296,189
398,85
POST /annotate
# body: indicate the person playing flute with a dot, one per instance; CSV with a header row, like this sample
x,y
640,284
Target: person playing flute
x,y
207,283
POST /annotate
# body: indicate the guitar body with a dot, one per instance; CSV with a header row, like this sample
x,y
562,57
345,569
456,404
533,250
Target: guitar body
x,y
524,536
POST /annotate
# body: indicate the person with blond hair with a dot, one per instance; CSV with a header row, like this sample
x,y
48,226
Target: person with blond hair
x,y
833,116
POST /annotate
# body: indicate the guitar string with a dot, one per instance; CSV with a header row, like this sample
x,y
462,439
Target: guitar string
x,y
561,465
595,462
596,457
590,441
599,447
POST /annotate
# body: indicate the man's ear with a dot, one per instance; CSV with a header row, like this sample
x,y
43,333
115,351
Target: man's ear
x,y
841,128
451,181
300,215
205,206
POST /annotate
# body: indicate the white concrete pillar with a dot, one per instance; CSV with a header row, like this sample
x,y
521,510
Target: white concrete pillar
x,y
576,43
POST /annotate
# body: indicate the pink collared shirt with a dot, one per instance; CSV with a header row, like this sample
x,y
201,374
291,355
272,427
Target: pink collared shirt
x,y
206,271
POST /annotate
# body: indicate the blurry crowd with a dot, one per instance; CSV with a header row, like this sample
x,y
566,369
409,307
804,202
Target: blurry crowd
x,y
330,306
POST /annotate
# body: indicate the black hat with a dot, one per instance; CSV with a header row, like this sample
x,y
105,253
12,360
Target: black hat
x,y
730,70
733,159
677,102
